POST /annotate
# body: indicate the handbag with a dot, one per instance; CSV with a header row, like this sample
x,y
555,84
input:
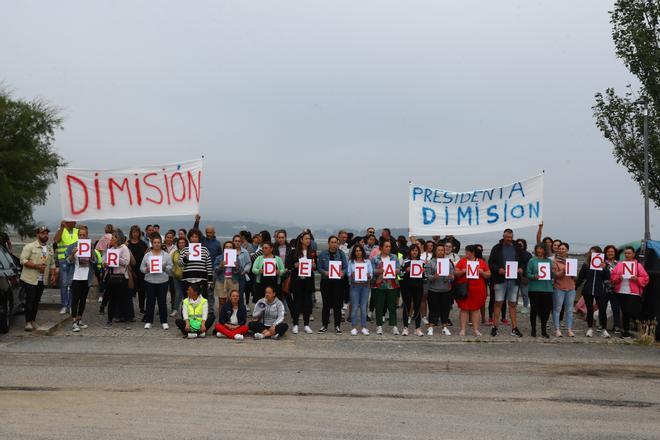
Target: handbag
x,y
286,285
459,291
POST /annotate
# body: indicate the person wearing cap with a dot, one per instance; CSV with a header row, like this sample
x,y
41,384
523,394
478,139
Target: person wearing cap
x,y
65,236
38,260
195,320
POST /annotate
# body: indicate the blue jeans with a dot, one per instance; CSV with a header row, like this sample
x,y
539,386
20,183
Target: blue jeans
x,y
359,299
178,295
524,292
65,280
564,298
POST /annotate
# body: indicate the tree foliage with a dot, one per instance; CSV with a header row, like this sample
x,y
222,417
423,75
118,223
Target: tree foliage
x,y
636,35
28,163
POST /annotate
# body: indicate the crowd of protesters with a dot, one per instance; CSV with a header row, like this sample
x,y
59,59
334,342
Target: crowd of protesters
x,y
362,290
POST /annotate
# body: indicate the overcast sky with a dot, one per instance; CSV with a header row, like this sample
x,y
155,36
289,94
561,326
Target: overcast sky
x,y
320,112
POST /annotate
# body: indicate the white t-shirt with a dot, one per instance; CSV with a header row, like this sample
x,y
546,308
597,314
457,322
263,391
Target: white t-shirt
x,y
234,318
625,286
44,254
81,272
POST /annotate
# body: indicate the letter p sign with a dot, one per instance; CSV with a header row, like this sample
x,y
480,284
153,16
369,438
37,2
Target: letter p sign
x,y
84,248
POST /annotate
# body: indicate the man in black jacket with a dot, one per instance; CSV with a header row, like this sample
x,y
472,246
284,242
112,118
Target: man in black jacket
x,y
506,288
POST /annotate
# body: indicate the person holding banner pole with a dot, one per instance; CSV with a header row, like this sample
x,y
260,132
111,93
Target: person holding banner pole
x,y
332,283
594,290
302,264
473,272
360,272
156,267
82,259
506,263
439,290
564,291
629,279
539,273
412,289
385,288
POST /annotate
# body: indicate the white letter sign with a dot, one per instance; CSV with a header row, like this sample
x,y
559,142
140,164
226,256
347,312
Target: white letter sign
x,y
597,261
269,267
629,269
195,252
544,272
230,257
417,269
112,258
571,267
304,268
156,264
84,248
334,270
472,270
442,267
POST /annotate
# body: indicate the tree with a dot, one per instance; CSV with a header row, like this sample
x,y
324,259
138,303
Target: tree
x,y
636,35
28,163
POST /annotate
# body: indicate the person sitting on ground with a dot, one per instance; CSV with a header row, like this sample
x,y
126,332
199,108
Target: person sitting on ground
x,y
233,318
195,314
268,317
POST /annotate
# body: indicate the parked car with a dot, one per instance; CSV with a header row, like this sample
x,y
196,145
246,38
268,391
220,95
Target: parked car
x,y
11,294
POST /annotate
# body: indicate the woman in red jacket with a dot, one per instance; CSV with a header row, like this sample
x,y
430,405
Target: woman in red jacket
x,y
628,286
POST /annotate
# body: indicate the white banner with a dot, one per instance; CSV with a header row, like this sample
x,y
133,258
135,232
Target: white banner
x,y
439,212
164,190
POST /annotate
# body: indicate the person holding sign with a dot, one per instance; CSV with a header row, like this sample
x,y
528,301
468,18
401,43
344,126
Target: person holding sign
x,y
177,274
118,259
594,290
302,264
440,275
360,272
474,272
611,254
385,290
268,269
196,319
82,259
564,291
506,263
412,276
38,261
628,279
197,267
156,267
332,265
227,273
539,273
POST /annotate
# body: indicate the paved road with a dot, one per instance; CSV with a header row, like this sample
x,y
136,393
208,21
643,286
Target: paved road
x,y
152,384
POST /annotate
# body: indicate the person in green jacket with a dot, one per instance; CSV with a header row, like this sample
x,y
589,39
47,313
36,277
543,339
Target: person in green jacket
x,y
540,290
261,280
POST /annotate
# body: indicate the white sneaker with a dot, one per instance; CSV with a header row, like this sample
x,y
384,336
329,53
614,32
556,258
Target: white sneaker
x,y
425,320
219,335
345,307
166,326
379,330
365,331
238,337
311,318
82,326
63,311
308,330
75,327
605,334
354,332
147,326
445,331
294,330
192,335
429,332
174,314
202,335
259,336
404,332
590,333
101,298
395,331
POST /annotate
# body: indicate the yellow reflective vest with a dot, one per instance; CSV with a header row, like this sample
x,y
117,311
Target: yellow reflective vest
x,y
66,240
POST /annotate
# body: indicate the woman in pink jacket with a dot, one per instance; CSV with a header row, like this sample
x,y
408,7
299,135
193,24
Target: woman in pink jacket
x,y
629,287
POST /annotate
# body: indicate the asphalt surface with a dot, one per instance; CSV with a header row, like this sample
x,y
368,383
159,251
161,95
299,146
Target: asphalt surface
x,y
134,383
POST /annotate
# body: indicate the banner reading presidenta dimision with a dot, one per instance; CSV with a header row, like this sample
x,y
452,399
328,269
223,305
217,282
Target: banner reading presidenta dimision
x,y
164,190
440,212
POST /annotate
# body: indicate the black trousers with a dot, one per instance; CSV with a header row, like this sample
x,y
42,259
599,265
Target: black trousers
x,y
412,302
302,292
541,306
79,291
258,327
138,281
332,293
631,308
181,324
259,289
602,309
439,307
32,299
119,298
156,292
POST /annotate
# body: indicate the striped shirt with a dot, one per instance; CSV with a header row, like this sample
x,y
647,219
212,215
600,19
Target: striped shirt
x,y
196,271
